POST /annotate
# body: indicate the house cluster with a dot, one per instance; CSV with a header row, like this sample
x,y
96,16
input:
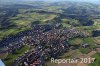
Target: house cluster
x,y
48,42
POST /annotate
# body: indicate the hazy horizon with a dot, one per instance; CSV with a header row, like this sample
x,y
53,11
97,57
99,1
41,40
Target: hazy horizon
x,y
17,1
56,0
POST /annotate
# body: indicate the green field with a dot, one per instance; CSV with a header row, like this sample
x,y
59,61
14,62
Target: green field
x,y
97,60
11,31
92,42
24,21
76,41
27,18
97,23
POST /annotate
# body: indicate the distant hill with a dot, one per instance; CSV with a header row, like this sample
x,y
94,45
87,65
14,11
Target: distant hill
x,y
18,1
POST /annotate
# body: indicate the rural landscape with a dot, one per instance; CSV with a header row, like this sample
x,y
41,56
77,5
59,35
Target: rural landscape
x,y
32,32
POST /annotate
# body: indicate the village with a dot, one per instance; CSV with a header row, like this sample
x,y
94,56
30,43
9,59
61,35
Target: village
x,y
46,41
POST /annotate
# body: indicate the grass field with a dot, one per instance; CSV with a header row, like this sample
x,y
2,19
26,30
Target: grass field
x,y
84,50
11,31
69,22
97,23
97,60
24,21
89,40
97,40
76,41
27,18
